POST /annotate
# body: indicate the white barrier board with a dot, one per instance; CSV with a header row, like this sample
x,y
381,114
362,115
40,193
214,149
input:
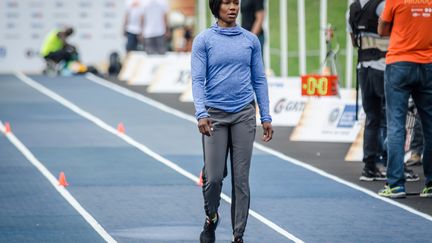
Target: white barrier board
x,y
328,119
355,152
145,71
286,102
130,65
172,76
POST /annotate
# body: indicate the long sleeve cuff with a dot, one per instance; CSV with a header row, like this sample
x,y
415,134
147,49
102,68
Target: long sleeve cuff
x,y
266,119
201,115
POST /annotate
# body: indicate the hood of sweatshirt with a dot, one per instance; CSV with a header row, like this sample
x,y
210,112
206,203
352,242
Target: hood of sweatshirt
x,y
236,30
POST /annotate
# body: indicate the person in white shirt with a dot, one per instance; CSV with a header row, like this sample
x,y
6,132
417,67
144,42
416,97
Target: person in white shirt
x,y
155,29
133,24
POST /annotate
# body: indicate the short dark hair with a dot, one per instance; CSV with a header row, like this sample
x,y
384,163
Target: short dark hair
x,y
214,7
68,31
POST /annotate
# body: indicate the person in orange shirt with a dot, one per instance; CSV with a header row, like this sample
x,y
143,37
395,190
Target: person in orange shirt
x,y
408,72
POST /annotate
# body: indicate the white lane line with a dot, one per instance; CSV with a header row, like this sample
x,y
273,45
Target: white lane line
x,y
143,148
141,98
64,192
261,147
340,180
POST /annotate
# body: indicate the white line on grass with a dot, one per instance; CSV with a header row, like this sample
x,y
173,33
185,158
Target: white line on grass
x,y
261,147
142,147
65,193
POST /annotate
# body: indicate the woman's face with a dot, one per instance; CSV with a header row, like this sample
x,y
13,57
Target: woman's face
x,y
228,12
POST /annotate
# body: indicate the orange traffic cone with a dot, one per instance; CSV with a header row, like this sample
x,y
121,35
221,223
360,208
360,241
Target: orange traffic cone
x,y
200,180
7,127
62,180
121,128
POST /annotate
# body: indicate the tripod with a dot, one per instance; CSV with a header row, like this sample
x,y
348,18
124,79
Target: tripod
x,y
328,66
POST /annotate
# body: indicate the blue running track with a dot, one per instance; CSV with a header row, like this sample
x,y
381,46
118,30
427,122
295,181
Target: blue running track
x,y
136,198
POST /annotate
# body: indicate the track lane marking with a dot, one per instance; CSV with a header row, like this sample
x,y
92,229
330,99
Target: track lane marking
x,y
52,179
261,147
144,148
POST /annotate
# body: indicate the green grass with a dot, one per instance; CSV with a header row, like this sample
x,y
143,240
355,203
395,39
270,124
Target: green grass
x,y
336,17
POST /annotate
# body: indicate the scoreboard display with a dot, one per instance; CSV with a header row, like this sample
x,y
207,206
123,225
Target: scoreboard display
x,y
319,85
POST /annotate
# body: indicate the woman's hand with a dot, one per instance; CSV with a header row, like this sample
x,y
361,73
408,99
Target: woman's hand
x,y
268,131
205,126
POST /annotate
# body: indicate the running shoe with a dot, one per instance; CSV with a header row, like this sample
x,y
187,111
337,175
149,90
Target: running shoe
x,y
237,239
410,175
427,191
393,192
208,234
372,174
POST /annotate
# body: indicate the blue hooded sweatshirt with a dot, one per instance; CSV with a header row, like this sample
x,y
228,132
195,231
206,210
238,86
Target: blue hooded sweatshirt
x,y
227,70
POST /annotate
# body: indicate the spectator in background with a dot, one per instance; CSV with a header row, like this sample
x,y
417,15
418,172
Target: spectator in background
x,y
55,47
408,72
133,24
252,18
362,23
156,29
227,74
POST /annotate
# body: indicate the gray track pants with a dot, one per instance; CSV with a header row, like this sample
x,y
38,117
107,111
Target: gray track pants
x,y
233,134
